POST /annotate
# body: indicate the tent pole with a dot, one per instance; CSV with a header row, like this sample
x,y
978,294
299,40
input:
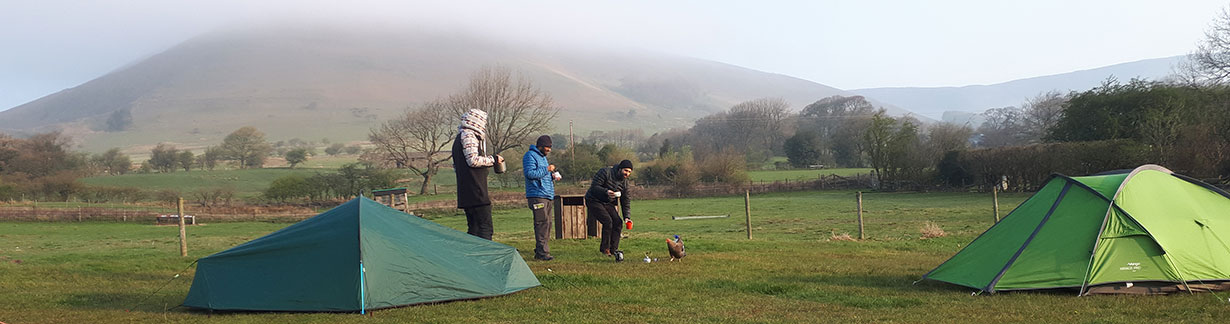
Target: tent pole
x,y
362,290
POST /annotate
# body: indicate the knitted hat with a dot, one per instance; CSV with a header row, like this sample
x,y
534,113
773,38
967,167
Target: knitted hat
x,y
625,164
544,141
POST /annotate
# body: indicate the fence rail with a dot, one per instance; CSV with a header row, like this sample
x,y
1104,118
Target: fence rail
x,y
78,214
505,199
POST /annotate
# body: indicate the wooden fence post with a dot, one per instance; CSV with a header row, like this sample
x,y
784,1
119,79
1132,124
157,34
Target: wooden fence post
x,y
995,200
183,234
747,207
859,198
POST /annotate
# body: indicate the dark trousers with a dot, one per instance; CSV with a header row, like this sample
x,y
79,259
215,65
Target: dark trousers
x,y
478,221
612,225
541,209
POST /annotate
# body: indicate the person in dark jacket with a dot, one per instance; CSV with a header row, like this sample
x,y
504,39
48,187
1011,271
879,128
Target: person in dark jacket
x,y
609,186
470,163
540,179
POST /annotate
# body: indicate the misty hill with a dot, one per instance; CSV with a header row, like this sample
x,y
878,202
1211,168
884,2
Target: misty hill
x,y
934,102
317,82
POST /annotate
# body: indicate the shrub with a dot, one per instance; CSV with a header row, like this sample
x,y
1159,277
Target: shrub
x,y
725,167
168,196
8,192
97,194
215,196
335,148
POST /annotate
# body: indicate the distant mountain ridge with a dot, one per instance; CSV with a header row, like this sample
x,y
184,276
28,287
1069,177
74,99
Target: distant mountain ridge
x,y
328,82
933,102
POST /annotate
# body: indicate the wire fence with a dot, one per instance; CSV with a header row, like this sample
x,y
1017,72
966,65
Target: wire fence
x,y
151,214
292,213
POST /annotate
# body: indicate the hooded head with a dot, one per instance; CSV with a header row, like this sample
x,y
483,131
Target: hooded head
x,y
475,120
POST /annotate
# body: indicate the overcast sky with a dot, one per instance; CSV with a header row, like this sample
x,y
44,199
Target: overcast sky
x,y
50,45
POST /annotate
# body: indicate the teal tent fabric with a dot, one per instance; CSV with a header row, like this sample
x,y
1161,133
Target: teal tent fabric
x,y
358,256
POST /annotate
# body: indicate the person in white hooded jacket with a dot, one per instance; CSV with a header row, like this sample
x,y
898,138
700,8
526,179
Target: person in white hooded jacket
x,y
470,164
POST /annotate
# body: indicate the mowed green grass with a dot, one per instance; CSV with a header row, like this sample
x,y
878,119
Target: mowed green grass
x,y
789,272
804,174
245,182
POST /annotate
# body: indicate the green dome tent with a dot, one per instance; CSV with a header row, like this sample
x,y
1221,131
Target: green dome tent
x,y
1144,231
358,256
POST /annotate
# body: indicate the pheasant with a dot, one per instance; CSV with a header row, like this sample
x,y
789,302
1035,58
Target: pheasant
x,y
675,249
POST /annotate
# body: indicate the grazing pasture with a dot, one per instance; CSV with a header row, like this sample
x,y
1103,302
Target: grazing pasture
x,y
792,270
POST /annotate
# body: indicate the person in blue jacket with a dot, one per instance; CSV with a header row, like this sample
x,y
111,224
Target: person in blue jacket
x,y
540,177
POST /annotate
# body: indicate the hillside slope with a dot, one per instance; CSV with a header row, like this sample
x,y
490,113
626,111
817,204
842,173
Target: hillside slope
x,y
934,101
324,82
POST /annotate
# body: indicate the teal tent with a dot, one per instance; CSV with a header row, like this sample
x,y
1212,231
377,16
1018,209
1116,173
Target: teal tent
x,y
361,255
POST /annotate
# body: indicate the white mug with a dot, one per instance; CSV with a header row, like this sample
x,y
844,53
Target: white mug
x,y
617,194
557,176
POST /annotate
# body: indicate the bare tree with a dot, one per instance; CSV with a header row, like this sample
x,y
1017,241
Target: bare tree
x,y
947,137
756,128
762,122
1003,127
1211,61
1041,113
417,140
516,109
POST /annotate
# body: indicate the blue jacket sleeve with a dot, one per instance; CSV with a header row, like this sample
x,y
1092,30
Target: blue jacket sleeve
x,y
531,168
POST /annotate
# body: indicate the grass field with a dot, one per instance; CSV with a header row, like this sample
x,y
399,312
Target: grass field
x,y
245,182
804,174
790,271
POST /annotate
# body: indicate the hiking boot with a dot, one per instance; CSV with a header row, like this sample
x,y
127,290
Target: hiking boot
x,y
606,252
544,258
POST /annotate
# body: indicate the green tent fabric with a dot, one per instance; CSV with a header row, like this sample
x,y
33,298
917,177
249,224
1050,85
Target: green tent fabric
x,y
1145,231
358,256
